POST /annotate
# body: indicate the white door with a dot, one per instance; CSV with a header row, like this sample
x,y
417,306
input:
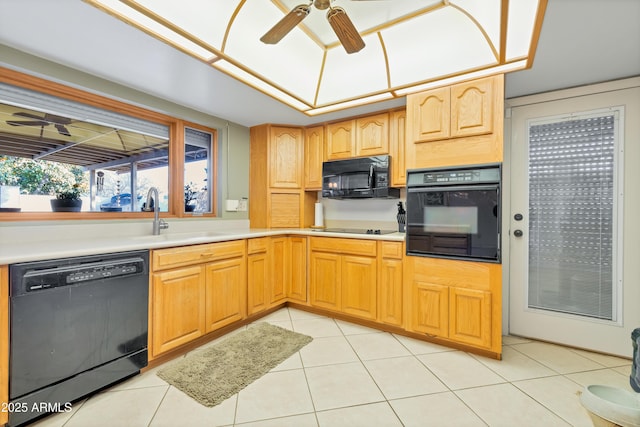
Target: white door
x,y
573,232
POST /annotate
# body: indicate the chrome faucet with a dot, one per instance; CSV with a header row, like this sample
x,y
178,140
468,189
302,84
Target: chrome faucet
x,y
158,224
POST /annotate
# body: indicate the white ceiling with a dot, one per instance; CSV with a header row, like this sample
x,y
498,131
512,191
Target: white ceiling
x,y
582,41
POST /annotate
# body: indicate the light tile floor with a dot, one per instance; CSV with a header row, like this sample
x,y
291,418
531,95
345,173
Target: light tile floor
x,y
355,376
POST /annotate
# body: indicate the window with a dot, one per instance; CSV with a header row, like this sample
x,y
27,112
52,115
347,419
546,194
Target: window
x,y
573,177
56,148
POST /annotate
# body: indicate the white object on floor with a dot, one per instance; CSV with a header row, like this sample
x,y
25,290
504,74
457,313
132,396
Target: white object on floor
x,y
617,406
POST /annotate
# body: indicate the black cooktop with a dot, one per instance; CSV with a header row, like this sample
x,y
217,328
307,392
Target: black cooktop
x,y
358,230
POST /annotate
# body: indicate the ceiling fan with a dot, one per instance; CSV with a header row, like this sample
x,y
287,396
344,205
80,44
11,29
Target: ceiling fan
x,y
42,121
337,17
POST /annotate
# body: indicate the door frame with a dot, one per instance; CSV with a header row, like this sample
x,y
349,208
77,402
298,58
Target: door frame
x,y
629,134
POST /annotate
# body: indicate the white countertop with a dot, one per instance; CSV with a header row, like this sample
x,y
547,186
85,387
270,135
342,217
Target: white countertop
x,y
49,248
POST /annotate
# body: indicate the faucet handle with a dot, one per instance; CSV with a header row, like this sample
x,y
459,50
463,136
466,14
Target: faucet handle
x,y
163,224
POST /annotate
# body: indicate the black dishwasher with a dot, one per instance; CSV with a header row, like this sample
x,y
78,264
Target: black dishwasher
x,y
76,326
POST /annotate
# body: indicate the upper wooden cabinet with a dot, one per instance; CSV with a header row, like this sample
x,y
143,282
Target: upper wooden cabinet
x,y
462,110
372,135
276,181
341,140
397,147
430,114
286,150
456,125
313,157
364,136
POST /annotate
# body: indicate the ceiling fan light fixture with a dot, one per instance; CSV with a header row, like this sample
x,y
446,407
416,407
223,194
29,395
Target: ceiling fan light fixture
x,y
345,30
286,24
322,4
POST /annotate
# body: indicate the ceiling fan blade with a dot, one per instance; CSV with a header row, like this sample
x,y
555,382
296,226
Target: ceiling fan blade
x,y
345,30
28,115
27,123
62,130
286,24
52,118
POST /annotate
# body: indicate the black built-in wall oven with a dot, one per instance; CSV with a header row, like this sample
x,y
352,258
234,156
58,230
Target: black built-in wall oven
x,y
454,212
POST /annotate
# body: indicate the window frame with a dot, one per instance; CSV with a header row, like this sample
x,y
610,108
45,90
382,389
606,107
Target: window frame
x,y
176,150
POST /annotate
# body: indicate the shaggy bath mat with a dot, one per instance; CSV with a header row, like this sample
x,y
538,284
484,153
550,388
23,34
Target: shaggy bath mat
x,y
216,373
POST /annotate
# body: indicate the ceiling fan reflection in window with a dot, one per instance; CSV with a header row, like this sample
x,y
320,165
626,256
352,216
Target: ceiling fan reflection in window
x,y
337,17
42,121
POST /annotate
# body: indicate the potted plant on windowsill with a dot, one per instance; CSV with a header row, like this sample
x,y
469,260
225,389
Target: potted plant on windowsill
x,y
190,195
67,200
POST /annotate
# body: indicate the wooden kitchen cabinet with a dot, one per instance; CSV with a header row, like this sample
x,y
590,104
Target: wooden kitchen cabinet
x,y
461,110
280,262
390,295
372,135
343,275
470,316
340,140
286,148
456,125
177,308
397,147
324,281
195,290
226,287
297,284
276,180
459,301
258,274
313,157
430,309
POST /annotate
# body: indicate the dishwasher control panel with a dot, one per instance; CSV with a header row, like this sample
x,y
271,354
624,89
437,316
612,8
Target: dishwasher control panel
x,y
37,278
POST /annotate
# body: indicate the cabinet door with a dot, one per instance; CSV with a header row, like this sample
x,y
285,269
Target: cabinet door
x,y
177,308
470,316
324,280
372,135
226,298
285,157
430,114
313,157
359,286
279,267
341,140
397,141
430,308
285,210
390,292
471,108
257,282
297,285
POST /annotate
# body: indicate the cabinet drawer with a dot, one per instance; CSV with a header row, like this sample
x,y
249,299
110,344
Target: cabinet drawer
x,y
344,246
257,245
391,250
185,255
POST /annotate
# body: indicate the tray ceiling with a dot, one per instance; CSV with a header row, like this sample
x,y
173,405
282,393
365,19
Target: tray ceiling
x,y
411,45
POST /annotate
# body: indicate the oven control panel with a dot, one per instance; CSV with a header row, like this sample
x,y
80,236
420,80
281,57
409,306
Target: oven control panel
x,y
454,176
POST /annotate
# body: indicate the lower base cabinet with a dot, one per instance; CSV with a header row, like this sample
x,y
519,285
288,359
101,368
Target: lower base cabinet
x,y
455,300
195,290
343,275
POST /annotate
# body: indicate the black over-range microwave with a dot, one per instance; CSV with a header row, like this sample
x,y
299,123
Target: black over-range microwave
x,y
362,177
454,212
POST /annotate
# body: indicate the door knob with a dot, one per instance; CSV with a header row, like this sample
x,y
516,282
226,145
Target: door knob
x,y
517,233
517,217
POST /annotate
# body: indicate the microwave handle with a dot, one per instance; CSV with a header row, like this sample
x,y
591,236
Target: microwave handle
x,y
370,176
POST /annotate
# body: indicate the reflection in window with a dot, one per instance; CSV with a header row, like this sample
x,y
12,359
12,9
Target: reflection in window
x,y
45,156
197,170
